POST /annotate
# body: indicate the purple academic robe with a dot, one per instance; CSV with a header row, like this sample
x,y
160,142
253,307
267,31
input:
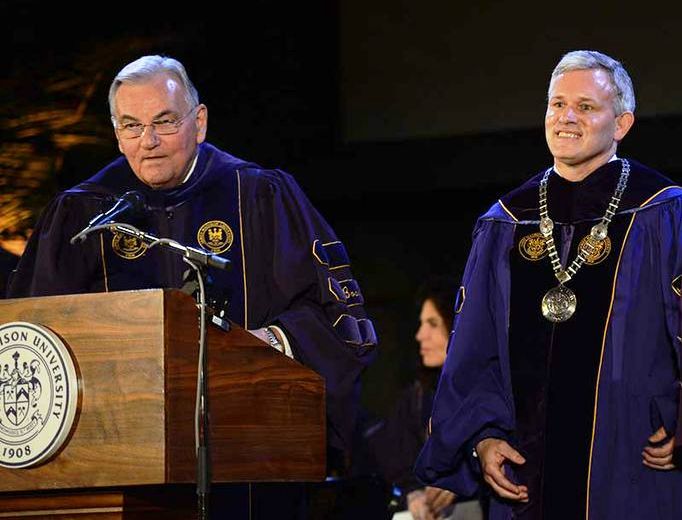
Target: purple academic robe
x,y
288,267
475,399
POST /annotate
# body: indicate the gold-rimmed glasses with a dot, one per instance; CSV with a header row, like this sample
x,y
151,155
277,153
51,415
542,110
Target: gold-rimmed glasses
x,y
166,125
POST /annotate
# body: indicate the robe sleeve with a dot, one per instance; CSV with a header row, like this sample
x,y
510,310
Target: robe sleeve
x,y
314,297
52,265
473,400
664,410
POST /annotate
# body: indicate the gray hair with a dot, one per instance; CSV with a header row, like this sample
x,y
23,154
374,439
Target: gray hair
x,y
624,99
146,67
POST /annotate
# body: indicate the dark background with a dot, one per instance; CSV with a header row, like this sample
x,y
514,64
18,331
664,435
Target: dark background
x,y
401,120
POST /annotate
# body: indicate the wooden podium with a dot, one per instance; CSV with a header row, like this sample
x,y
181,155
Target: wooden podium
x,y
131,451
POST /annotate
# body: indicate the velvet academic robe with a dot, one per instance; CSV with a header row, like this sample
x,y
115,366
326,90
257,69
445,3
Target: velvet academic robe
x,y
288,267
580,398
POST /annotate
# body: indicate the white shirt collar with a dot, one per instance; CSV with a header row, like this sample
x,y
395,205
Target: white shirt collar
x,y
614,157
191,169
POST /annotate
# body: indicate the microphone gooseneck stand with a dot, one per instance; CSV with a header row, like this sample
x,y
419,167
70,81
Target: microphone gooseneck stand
x,y
201,418
197,260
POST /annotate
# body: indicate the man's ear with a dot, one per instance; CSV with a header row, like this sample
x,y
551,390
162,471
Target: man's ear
x,y
201,121
623,124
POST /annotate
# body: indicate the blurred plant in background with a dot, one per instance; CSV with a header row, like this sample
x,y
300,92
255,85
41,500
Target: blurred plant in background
x,y
54,128
36,137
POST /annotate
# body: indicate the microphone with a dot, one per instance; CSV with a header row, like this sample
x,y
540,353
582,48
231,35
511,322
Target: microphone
x,y
130,202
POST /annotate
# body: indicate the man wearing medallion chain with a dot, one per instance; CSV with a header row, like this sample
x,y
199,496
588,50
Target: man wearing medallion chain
x,y
560,386
290,283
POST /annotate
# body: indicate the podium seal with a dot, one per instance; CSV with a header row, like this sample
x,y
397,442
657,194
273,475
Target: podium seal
x,y
38,394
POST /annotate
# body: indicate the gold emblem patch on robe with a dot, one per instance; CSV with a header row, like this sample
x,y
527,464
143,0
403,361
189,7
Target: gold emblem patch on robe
x,y
216,236
128,247
533,247
601,250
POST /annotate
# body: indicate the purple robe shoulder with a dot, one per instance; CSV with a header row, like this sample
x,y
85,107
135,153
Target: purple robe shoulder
x,y
638,381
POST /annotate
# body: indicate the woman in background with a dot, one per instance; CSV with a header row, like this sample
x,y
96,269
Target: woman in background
x,y
395,442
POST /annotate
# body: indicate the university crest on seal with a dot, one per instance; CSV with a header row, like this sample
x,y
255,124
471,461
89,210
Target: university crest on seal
x,y
215,236
38,394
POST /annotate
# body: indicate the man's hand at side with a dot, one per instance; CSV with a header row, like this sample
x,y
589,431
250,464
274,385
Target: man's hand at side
x,y
656,455
492,454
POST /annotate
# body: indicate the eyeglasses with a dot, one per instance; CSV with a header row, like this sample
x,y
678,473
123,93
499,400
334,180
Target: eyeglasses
x,y
166,126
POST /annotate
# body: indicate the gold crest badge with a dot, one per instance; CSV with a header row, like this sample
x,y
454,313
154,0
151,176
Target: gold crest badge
x,y
601,250
128,247
216,236
533,247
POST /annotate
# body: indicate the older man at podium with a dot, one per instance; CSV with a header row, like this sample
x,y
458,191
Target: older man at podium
x,y
290,281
